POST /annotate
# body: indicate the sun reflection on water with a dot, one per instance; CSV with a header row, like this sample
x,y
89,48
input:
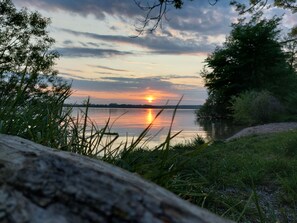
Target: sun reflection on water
x,y
149,116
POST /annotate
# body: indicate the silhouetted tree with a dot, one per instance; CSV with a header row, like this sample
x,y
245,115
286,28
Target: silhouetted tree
x,y
252,58
30,91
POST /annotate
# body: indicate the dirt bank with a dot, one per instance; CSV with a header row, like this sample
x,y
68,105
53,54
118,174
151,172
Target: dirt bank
x,y
263,129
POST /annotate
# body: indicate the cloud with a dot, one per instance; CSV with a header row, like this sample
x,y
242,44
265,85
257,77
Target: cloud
x,y
71,76
156,44
94,7
118,89
90,52
110,88
139,83
174,76
108,68
203,18
67,42
195,16
104,73
93,44
122,84
71,70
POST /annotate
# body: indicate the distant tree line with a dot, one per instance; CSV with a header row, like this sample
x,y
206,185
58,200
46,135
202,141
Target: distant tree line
x,y
116,105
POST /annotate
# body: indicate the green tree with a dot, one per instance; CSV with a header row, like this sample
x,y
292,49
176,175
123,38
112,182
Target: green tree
x,y
31,94
252,58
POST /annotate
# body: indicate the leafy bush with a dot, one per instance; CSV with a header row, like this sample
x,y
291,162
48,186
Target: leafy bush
x,y
252,107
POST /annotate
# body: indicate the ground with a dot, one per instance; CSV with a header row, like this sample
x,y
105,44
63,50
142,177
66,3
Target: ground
x,y
263,129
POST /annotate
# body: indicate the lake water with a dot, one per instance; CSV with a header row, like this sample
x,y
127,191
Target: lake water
x,y
130,122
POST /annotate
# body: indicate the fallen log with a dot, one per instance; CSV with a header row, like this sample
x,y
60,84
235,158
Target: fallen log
x,y
42,185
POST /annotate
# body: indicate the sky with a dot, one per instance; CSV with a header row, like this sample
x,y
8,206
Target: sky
x,y
103,61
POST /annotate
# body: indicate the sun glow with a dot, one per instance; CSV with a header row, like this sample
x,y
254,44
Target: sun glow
x,y
149,116
150,99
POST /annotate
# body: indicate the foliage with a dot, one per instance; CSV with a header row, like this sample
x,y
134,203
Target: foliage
x,y
291,105
253,107
31,94
247,180
212,109
290,45
252,58
253,5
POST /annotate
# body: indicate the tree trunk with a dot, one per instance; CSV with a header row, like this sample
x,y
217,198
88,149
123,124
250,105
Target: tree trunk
x,y
42,185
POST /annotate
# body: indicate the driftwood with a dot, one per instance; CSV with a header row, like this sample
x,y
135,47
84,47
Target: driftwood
x,y
42,185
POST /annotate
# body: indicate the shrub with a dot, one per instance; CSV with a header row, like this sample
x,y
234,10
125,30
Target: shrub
x,y
252,107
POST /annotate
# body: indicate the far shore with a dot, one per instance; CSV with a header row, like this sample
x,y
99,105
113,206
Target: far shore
x,y
114,105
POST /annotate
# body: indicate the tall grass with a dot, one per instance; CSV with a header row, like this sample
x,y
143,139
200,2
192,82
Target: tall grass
x,y
249,180
51,124
86,138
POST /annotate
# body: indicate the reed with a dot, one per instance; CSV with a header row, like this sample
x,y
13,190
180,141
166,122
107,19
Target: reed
x,y
86,138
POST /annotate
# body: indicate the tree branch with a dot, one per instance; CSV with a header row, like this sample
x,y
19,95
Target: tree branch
x,y
160,8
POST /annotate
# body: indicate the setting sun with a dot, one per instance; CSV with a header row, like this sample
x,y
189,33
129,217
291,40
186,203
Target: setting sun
x,y
149,99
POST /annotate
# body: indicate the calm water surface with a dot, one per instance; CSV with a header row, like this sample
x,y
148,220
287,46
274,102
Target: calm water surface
x,y
130,122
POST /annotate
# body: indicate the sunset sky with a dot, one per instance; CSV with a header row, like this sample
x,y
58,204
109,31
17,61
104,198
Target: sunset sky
x,y
102,61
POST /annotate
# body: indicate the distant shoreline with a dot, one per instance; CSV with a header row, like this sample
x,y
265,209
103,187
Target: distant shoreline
x,y
135,106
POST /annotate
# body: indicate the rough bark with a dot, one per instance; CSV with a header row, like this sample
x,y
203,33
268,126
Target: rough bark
x,y
40,184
